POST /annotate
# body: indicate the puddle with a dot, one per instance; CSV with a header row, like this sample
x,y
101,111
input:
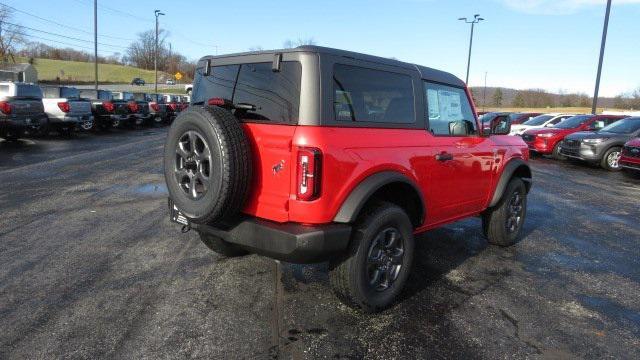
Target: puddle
x,y
151,189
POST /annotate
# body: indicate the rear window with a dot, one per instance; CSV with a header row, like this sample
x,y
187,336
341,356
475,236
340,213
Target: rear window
x,y
269,96
69,93
24,90
367,95
96,94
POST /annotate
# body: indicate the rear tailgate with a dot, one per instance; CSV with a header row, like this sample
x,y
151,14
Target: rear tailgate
x,y
272,167
79,108
25,107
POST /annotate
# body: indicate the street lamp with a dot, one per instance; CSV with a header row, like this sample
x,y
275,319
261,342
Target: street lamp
x,y
602,44
476,19
155,57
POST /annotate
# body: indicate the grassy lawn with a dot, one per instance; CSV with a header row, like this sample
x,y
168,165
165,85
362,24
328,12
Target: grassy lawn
x,y
75,71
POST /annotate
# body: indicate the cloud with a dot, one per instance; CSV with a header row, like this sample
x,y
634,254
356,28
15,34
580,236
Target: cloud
x,y
559,7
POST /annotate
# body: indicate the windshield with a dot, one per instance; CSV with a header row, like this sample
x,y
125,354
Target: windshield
x,y
573,122
487,116
624,126
538,120
515,116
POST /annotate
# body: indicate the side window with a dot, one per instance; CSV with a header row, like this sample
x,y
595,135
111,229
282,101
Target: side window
x,y
217,85
449,111
269,96
367,95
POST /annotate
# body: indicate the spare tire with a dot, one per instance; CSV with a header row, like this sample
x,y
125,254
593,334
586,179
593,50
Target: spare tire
x,y
207,165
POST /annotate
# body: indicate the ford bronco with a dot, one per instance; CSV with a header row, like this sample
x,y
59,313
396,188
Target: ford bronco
x,y
315,154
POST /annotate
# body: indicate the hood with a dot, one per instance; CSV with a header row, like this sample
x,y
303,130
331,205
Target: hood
x,y
633,142
536,131
592,135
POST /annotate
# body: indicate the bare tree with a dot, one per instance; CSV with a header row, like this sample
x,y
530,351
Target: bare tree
x,y
288,44
141,52
10,35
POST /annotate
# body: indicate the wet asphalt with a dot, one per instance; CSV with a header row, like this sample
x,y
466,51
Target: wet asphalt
x,y
90,267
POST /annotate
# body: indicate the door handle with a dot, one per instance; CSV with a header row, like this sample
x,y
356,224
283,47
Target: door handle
x,y
444,156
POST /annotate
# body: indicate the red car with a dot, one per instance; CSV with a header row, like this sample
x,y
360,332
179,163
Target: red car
x,y
630,158
547,140
519,118
313,154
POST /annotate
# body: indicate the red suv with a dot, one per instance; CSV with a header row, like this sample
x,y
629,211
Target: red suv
x,y
630,158
314,154
547,140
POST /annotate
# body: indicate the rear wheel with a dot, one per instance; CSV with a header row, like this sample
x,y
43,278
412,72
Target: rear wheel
x,y
611,158
221,247
502,223
373,272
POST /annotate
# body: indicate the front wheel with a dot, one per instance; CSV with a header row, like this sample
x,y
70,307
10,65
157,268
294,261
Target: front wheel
x,y
503,223
373,272
611,158
556,153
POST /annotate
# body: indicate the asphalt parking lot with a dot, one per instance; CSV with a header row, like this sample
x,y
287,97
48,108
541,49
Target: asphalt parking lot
x,y
90,267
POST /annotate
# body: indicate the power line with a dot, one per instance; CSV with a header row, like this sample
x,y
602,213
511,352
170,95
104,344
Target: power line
x,y
50,40
118,12
63,36
62,25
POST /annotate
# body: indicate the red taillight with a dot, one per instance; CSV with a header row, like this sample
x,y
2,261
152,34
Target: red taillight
x,y
64,106
308,173
216,102
133,106
173,106
108,106
5,107
154,106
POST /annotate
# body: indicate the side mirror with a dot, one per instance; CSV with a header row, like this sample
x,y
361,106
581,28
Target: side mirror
x,y
549,125
500,126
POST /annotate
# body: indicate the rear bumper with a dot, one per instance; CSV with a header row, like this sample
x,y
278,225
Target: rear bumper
x,y
291,242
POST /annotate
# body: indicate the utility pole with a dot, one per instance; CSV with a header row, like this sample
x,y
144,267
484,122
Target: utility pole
x,y
484,93
476,19
602,44
95,40
155,57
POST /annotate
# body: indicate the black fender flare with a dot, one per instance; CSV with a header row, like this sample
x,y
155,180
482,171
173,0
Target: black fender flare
x,y
358,197
513,166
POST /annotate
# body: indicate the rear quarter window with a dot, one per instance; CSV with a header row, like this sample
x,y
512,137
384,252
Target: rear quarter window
x,y
375,96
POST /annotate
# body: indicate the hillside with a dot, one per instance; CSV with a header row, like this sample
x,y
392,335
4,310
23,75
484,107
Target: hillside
x,y
83,72
557,100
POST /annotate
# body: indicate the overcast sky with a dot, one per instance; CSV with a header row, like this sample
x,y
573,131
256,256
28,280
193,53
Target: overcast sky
x,y
522,44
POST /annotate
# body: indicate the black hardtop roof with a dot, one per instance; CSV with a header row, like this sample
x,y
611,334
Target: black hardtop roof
x,y
425,72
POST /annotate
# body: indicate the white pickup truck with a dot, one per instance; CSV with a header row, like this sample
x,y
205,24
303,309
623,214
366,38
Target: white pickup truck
x,y
66,110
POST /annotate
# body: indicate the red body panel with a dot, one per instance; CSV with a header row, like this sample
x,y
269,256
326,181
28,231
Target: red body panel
x,y
451,189
626,158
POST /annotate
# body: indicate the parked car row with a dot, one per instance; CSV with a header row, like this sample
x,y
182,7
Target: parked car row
x,y
611,141
38,110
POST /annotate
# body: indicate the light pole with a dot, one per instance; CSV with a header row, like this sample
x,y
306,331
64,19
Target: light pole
x,y
95,40
476,19
602,44
155,57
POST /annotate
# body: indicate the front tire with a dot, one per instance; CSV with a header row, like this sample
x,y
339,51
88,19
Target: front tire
x,y
556,153
503,223
221,247
373,272
610,160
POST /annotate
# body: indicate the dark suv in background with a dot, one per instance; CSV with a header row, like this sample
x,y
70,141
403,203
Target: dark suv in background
x,y
602,147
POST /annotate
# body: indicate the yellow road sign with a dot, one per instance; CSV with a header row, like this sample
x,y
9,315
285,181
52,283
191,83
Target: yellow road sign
x,y
178,76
